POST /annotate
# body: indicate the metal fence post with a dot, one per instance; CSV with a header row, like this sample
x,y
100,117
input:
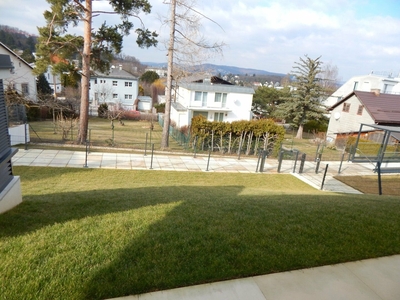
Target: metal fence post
x,y
316,153
303,159
262,163
378,168
209,155
86,155
258,161
195,146
295,162
151,161
341,162
145,146
26,135
280,160
90,135
323,179
318,162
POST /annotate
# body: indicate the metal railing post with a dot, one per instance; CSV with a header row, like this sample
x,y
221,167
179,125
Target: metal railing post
x,y
295,161
280,161
145,146
303,159
86,155
323,179
209,155
341,162
318,162
151,161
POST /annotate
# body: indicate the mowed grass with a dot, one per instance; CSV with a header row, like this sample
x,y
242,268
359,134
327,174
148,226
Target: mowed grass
x,y
132,135
96,233
390,184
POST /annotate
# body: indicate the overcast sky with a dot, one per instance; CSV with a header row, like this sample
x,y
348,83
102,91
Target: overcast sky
x,y
357,36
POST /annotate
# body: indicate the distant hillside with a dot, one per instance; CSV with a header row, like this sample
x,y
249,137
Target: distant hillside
x,y
17,39
224,70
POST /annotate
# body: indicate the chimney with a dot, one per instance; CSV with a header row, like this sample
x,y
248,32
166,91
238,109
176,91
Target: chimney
x,y
120,67
376,91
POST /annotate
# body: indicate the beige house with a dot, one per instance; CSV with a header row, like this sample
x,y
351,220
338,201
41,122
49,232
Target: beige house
x,y
363,108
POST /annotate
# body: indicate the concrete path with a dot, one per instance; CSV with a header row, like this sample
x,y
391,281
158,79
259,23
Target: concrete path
x,y
373,279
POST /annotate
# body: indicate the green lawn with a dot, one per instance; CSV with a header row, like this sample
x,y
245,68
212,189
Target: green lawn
x,y
131,136
95,233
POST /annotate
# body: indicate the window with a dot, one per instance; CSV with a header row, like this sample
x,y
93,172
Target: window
x,y
25,88
360,110
115,83
219,117
95,81
346,107
128,96
355,86
220,97
201,96
128,83
115,96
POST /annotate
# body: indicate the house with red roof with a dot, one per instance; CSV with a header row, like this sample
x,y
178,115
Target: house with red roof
x,y
361,107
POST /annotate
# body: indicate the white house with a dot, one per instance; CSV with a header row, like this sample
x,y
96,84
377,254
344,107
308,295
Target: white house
x,y
54,80
214,98
22,79
118,88
366,83
363,108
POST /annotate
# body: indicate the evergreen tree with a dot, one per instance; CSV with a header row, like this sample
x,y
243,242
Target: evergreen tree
x,y
96,47
304,104
149,77
43,86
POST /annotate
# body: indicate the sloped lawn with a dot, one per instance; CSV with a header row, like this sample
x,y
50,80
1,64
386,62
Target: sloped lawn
x,y
95,233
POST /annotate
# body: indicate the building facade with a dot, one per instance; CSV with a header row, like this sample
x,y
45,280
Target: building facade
x,y
118,89
22,79
213,98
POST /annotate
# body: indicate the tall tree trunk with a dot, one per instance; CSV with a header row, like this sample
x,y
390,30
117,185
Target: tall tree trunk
x,y
167,114
84,111
299,134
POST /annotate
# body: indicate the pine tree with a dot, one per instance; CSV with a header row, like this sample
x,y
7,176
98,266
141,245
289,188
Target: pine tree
x,y
96,47
43,86
304,104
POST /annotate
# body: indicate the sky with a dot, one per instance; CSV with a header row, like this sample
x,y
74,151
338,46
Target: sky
x,y
356,36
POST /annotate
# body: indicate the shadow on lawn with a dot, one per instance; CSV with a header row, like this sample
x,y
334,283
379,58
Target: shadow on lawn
x,y
214,240
36,212
216,233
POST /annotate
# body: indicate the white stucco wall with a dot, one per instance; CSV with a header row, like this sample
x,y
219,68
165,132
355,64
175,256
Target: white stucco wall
x,y
11,196
107,91
22,74
237,106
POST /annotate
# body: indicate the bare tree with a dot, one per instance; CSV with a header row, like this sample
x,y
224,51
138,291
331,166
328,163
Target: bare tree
x,y
329,78
187,47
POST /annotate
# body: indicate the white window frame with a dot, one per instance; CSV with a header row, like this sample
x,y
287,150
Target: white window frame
x,y
115,83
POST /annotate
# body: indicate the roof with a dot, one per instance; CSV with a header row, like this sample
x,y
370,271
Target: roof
x,y
215,84
178,107
383,108
16,55
115,73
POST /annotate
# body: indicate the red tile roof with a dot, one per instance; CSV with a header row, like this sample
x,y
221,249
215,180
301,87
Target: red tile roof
x,y
383,108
